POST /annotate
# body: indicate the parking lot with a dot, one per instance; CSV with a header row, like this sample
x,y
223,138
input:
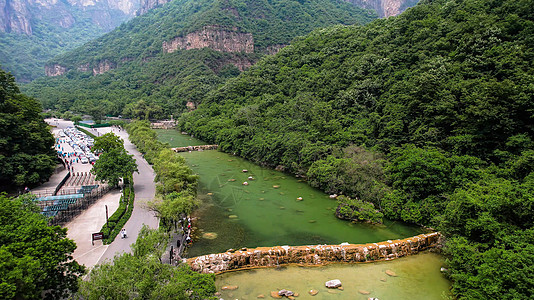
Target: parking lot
x,y
74,147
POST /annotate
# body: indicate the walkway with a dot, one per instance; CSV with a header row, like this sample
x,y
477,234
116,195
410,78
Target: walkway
x,y
145,190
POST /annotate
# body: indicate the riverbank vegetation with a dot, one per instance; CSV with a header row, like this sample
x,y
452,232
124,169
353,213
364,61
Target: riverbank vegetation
x,y
27,157
176,185
427,115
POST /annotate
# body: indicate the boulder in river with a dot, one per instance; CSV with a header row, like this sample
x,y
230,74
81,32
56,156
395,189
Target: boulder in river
x,y
364,292
332,284
229,287
313,292
391,273
285,292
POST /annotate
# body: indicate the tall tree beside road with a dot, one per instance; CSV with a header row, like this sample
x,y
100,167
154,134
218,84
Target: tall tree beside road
x,y
107,142
26,144
114,163
35,258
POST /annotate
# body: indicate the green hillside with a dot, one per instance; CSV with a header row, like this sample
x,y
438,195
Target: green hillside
x,y
146,81
429,115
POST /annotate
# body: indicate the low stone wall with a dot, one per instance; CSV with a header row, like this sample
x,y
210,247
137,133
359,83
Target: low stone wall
x,y
312,255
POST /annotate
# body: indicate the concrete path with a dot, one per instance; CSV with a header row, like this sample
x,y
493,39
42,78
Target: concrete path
x,y
145,190
88,222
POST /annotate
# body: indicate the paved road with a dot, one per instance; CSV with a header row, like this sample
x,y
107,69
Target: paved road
x,y
145,190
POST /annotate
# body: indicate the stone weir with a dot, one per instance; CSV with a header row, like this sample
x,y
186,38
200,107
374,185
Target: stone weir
x,y
195,148
312,255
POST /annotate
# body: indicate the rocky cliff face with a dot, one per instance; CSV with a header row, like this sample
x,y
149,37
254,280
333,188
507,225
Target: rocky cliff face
x,y
19,16
385,8
313,255
215,38
147,5
102,67
55,70
15,17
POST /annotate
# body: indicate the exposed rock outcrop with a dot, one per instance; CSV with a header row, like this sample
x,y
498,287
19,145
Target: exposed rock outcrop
x,y
313,255
385,8
103,66
147,5
213,37
55,70
15,17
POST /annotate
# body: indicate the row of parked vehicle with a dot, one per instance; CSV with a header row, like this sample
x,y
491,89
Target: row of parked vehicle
x,y
81,143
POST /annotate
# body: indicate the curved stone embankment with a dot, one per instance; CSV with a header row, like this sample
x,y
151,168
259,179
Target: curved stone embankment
x,y
313,255
195,148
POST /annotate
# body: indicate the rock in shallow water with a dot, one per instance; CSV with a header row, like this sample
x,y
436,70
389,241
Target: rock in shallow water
x,y
313,292
332,284
285,292
229,287
391,273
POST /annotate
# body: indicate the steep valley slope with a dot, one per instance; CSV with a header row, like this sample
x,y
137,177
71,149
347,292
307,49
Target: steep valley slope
x,y
170,57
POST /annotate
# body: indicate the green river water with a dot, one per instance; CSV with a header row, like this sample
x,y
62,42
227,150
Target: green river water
x,y
266,212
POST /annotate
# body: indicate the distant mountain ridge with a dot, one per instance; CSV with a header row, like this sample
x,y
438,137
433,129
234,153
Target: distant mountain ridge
x,y
20,16
33,31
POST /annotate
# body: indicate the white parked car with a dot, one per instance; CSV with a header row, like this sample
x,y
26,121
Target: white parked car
x,y
84,160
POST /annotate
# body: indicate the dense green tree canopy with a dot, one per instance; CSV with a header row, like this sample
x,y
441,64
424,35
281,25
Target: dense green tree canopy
x,y
107,142
113,165
26,143
35,259
114,162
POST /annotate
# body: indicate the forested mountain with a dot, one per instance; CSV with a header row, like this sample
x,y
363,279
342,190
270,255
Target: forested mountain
x,y
26,144
428,115
32,32
158,62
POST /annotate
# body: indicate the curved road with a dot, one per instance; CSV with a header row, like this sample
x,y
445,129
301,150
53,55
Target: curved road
x,y
145,190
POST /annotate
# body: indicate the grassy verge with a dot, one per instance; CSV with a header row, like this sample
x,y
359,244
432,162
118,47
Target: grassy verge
x,y
86,132
119,218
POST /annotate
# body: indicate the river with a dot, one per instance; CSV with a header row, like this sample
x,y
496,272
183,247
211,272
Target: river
x,y
267,212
